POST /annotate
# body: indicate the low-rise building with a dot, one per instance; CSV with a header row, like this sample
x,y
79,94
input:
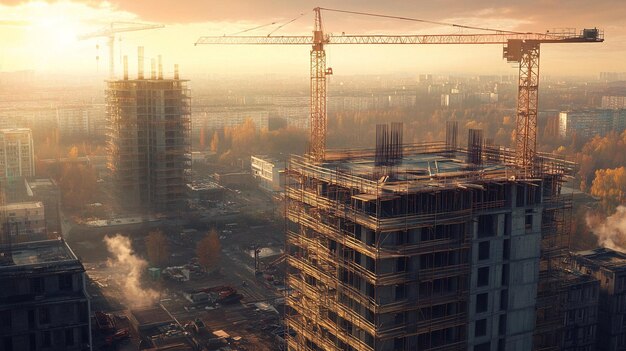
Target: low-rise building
x,y
609,268
25,219
270,173
47,191
43,300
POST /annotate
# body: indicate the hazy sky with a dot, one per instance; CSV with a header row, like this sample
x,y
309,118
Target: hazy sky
x,y
42,35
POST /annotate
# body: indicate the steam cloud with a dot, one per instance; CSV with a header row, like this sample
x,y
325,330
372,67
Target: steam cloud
x,y
129,268
611,232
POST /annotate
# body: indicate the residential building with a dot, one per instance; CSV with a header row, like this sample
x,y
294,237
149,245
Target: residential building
x,y
609,268
25,219
43,301
438,248
81,121
17,154
585,123
47,192
148,142
269,172
568,320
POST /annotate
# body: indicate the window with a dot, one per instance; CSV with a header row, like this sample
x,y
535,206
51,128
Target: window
x,y
486,346
483,250
69,337
5,319
502,324
46,339
505,275
506,249
65,281
482,302
504,299
8,343
400,291
44,315
483,276
37,285
480,328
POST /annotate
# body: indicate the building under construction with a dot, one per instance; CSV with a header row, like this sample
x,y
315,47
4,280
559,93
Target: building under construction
x,y
427,246
149,139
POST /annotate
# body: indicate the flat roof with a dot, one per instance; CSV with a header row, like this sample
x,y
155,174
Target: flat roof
x,y
604,257
151,316
30,205
38,255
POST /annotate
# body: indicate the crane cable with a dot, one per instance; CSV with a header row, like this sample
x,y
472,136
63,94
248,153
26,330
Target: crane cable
x,y
421,20
282,25
251,29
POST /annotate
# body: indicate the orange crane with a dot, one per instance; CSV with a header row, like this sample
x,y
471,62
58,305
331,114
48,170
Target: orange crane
x,y
522,48
110,31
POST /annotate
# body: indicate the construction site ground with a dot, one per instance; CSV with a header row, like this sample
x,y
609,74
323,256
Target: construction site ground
x,y
244,319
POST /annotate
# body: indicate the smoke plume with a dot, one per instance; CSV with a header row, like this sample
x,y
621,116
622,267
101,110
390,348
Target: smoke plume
x,y
129,267
611,231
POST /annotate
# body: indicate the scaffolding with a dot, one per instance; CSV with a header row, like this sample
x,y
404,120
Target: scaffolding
x,y
383,262
148,141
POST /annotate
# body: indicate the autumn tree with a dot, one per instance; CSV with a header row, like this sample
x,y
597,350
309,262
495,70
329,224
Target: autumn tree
x,y
157,248
610,186
209,249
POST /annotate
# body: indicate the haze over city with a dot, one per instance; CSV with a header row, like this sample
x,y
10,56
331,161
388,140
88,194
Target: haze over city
x,y
43,35
305,176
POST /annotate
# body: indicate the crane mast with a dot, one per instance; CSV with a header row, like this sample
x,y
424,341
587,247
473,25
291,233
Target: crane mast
x,y
109,33
520,48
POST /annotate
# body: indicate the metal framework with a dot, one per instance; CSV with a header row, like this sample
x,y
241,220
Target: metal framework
x,y
111,31
522,48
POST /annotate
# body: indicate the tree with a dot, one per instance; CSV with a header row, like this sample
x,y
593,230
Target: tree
x,y
157,248
610,186
209,249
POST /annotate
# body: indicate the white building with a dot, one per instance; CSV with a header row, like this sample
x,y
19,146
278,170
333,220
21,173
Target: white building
x,y
17,158
25,218
587,123
270,173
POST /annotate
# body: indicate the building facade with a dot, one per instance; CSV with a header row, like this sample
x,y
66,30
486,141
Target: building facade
x,y
17,153
269,173
43,303
149,145
25,219
588,123
609,268
388,257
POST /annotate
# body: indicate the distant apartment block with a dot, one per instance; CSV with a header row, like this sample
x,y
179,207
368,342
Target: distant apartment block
x,y
81,121
25,219
216,118
43,300
612,76
454,99
587,123
17,155
612,102
270,173
149,147
609,268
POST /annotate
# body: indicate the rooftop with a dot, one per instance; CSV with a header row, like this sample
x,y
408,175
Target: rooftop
x,y
604,257
425,166
29,205
36,255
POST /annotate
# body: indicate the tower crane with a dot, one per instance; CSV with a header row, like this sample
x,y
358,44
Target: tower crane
x,y
114,28
519,47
